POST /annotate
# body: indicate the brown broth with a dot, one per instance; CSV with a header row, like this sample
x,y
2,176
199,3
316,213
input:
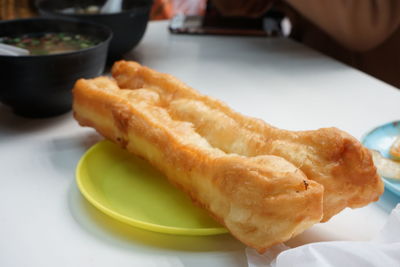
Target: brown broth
x,y
50,43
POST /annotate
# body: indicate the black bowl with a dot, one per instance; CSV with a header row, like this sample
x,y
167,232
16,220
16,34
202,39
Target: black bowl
x,y
128,25
40,86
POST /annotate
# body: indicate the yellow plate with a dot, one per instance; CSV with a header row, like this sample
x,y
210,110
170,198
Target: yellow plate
x,y
130,190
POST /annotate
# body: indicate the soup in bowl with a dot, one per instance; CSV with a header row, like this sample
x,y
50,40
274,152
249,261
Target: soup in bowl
x,y
48,43
127,19
60,51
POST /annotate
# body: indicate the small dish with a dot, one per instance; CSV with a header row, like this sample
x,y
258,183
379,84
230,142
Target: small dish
x,y
380,139
130,190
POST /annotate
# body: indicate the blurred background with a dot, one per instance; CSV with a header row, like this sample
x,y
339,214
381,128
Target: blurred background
x,y
364,34
161,10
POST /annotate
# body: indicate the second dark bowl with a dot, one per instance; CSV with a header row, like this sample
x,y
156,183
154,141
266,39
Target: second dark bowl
x,y
128,25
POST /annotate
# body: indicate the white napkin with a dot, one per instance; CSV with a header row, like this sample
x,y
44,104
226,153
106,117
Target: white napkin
x,y
381,251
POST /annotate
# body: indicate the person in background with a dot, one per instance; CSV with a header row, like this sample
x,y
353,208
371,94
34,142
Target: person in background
x,y
362,33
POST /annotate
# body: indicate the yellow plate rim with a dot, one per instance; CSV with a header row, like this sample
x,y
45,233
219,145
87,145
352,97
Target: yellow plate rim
x,y
131,221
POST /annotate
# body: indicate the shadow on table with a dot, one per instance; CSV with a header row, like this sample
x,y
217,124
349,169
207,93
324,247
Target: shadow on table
x,y
13,124
64,152
125,236
318,233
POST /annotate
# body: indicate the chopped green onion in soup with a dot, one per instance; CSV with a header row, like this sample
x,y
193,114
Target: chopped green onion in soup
x,y
50,43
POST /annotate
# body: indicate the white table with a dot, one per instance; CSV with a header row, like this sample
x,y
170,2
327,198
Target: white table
x,y
44,221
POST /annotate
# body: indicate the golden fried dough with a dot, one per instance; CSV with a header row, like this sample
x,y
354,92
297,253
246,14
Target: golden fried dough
x,y
328,156
263,183
262,200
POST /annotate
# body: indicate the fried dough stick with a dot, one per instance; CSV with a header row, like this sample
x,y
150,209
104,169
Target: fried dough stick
x,y
328,156
262,200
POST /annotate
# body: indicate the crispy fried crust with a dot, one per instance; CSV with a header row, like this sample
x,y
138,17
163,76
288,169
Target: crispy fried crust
x,y
255,179
328,156
262,200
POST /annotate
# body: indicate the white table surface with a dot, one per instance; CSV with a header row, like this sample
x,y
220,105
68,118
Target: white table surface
x,y
44,221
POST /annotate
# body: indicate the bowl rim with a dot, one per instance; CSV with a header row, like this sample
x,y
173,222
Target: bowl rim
x,y
71,20
148,4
